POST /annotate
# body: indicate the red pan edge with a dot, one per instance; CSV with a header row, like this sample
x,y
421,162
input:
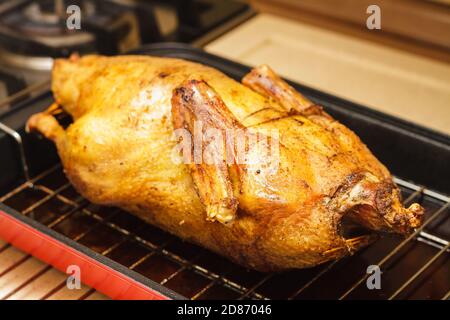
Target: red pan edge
x,y
93,273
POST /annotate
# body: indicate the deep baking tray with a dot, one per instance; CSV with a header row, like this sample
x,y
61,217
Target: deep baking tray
x,y
125,258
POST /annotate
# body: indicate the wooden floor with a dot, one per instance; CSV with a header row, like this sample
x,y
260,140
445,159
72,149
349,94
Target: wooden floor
x,y
23,277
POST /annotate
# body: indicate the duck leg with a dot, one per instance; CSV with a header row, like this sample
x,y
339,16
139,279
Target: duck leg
x,y
46,124
266,82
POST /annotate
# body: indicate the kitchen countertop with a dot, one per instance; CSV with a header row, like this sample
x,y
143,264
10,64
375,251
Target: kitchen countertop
x,y
403,84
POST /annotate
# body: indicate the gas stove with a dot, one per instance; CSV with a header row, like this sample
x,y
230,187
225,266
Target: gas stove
x,y
33,33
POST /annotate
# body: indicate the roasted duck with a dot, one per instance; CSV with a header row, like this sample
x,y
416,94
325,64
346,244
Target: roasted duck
x,y
119,151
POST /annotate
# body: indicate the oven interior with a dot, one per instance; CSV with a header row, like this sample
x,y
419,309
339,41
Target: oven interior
x,y
416,267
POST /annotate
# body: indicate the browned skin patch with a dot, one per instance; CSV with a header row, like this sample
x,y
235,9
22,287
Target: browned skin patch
x,y
162,75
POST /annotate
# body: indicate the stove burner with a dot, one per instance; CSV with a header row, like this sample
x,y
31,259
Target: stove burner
x,y
33,33
35,30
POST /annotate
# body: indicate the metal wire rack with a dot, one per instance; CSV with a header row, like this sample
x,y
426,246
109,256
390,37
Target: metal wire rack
x,y
415,267
198,274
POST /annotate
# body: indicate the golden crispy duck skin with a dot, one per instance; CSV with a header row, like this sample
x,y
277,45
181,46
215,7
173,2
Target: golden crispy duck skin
x,y
119,152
